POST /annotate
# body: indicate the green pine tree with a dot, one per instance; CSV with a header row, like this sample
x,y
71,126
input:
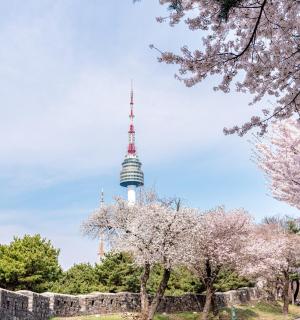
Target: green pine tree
x,y
118,272
79,279
29,263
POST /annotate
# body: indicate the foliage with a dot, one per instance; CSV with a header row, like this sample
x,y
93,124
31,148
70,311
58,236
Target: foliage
x,y
258,40
117,273
293,226
230,280
79,279
279,158
28,263
225,7
181,281
176,5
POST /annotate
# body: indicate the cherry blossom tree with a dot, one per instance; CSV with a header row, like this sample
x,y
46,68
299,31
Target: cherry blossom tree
x,y
290,225
152,231
255,42
279,157
217,242
272,252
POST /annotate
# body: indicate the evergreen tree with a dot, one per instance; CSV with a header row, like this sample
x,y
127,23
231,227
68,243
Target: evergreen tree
x,y
181,281
79,279
28,263
117,273
230,280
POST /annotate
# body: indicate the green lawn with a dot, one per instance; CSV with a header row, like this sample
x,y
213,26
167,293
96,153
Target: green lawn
x,y
260,311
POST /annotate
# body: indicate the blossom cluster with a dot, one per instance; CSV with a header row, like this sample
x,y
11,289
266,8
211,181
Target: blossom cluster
x,y
279,157
258,39
271,251
153,232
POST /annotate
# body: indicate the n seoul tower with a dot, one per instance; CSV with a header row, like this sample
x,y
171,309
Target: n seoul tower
x,y
131,176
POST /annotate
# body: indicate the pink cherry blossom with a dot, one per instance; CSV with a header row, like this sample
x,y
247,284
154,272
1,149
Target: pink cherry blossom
x,y
259,41
271,252
279,157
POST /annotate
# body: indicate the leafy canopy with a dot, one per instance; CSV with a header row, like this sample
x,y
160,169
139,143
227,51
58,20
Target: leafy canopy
x,y
29,263
115,273
79,279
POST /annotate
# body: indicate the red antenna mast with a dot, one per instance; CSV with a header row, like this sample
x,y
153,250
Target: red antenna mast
x,y
131,133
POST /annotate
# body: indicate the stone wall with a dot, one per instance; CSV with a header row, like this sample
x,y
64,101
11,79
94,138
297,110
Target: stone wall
x,y
26,305
63,305
102,303
13,306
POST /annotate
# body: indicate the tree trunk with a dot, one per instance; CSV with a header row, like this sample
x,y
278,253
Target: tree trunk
x,y
159,293
285,293
208,302
144,296
296,291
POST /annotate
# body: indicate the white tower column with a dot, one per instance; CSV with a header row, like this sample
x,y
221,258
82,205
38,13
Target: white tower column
x,y
131,195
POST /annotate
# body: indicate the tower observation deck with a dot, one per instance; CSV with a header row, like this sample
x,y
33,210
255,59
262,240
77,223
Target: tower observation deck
x,y
131,175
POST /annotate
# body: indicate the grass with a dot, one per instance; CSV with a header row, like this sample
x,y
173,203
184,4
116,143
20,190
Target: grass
x,y
178,316
263,311
260,311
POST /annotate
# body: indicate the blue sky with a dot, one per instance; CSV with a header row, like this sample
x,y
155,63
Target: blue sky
x,y
65,71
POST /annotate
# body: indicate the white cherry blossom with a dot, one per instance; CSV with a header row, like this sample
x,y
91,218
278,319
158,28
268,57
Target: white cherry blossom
x,y
279,157
258,40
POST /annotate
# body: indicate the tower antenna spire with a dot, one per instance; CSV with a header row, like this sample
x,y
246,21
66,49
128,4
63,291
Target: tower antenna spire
x,y
131,133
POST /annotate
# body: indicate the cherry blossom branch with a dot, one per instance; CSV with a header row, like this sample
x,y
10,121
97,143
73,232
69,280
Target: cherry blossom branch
x,y
257,122
260,39
253,33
